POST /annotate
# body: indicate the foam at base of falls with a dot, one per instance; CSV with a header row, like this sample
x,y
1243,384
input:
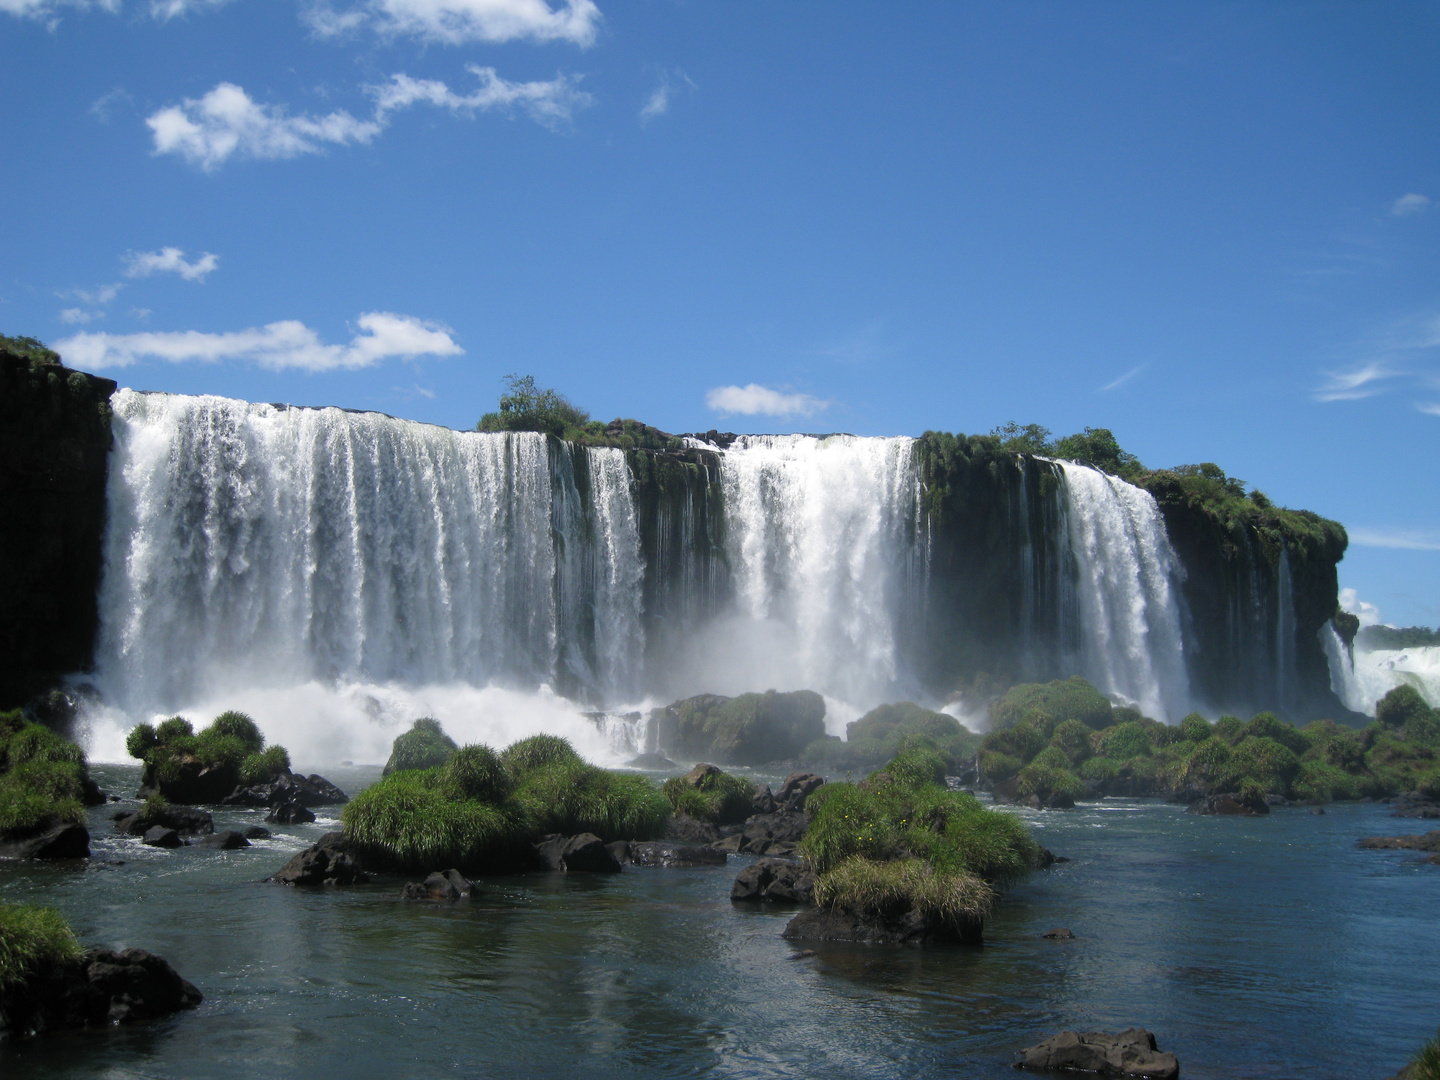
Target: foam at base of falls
x,y
1360,682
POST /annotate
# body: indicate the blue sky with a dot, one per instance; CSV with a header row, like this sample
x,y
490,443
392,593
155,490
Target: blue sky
x,y
1214,229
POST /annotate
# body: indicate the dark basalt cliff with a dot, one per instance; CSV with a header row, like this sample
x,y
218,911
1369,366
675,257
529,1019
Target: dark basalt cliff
x,y
54,443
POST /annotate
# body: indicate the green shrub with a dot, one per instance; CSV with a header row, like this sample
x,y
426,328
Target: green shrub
x,y
719,797
1268,726
1124,741
1230,728
536,751
1024,740
918,764
424,746
888,889
1208,766
33,939
1266,762
998,767
42,778
1099,770
1072,738
576,797
525,407
1068,699
1048,782
1398,765
1195,728
1321,781
1425,1065
1400,706
236,725
141,740
476,772
259,768
175,728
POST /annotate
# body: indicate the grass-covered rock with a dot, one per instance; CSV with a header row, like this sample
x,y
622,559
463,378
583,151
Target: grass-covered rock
x,y
187,767
43,779
752,729
482,811
706,793
900,857
883,732
32,938
424,746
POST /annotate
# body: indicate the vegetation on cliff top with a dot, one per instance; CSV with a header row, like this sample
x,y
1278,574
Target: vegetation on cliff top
x,y
186,767
33,939
1062,741
32,349
527,407
1396,637
43,781
480,810
901,841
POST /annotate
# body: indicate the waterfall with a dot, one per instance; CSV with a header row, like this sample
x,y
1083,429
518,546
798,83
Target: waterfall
x,y
1127,591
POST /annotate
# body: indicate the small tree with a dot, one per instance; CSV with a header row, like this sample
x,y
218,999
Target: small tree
x,y
525,407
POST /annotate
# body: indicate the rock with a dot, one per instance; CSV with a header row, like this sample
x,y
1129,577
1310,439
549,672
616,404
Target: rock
x,y
621,850
1060,933
1317,810
1229,803
451,885
796,789
102,989
186,820
674,856
1429,841
190,781
583,853
257,832
774,880
689,830
653,762
1129,1053
730,844
313,790
751,729
56,842
290,813
1412,804
909,928
161,836
228,840
764,831
324,863
763,800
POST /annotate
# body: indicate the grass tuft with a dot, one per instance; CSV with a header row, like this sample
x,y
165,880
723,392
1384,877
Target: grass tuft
x,y
31,938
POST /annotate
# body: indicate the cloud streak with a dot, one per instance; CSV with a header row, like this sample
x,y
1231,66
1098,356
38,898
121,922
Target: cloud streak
x,y
278,346
170,260
1405,539
457,22
1123,379
226,122
755,400
1363,382
1409,204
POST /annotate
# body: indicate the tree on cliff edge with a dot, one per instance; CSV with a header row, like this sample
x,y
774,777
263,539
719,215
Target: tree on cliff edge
x,y
525,407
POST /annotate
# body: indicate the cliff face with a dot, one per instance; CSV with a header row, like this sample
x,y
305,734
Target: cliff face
x,y
54,442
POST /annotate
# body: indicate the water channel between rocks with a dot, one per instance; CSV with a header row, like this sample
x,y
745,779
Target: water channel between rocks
x,y
1254,947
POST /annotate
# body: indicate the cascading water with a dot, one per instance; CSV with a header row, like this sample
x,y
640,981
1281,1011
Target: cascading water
x,y
1128,592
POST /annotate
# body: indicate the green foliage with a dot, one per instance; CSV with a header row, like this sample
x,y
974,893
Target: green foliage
x,y
33,349
576,797
537,751
1099,770
172,730
231,748
1230,728
258,768
1320,781
1098,447
1266,762
33,939
1067,699
1195,728
1401,706
918,764
891,888
141,740
1123,741
1266,725
1049,779
1023,438
1425,1065
882,732
424,746
998,766
526,407
1397,637
1072,738
476,772
42,777
718,797
238,726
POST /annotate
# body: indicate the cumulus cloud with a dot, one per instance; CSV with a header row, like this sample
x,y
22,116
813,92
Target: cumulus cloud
x,y
455,22
1409,204
170,260
1363,382
207,131
278,346
1406,539
1366,612
755,400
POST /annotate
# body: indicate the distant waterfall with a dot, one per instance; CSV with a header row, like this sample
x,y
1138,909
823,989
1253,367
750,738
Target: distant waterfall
x,y
250,543
1128,577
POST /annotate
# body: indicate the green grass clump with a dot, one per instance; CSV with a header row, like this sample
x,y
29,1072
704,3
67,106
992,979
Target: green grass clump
x,y
1425,1065
884,731
718,797
258,768
1067,699
476,772
424,746
574,798
42,778
889,889
538,751
32,938
231,748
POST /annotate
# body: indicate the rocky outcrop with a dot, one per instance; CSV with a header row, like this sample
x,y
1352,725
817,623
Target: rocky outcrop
x,y
1428,842
1230,803
798,787
328,862
312,790
907,928
688,830
55,842
1130,1053
229,840
1415,804
161,837
751,729
774,880
290,813
187,820
448,886
768,834
187,779
663,853
103,989
583,853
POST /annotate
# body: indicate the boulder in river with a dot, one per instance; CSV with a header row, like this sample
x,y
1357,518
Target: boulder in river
x,y
290,813
775,880
186,820
324,863
1129,1053
56,842
797,787
102,989
1230,803
764,833
583,853
904,928
1414,804
312,790
689,830
1429,841
449,885
229,840
162,836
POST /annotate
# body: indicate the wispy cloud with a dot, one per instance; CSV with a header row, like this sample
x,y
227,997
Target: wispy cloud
x,y
1407,539
658,103
278,346
456,22
1363,382
1431,407
170,260
1123,379
46,10
755,400
207,131
80,315
1409,204
165,10
101,294
101,107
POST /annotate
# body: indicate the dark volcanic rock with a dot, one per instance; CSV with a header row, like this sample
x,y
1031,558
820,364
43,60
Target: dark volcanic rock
x,y
312,790
909,928
160,836
1060,933
796,789
582,853
769,833
324,863
1130,1053
1429,841
189,780
183,819
102,989
1413,804
228,840
775,880
450,885
1229,803
664,853
56,842
257,832
290,813
691,830
763,801
751,729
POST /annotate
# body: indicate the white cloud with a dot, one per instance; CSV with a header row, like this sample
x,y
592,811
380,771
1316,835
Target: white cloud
x,y
1366,612
1353,385
278,346
170,260
165,10
79,315
1123,379
1407,539
658,103
47,9
141,313
753,399
1431,407
454,22
1409,204
207,130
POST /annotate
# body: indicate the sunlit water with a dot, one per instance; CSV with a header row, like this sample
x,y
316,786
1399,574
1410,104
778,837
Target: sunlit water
x,y
1265,947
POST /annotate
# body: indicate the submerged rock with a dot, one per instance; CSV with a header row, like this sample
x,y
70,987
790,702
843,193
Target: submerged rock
x,y
583,853
1230,803
1413,804
186,820
56,842
904,928
1429,841
102,989
653,762
449,885
229,840
673,856
774,880
161,836
1130,1053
